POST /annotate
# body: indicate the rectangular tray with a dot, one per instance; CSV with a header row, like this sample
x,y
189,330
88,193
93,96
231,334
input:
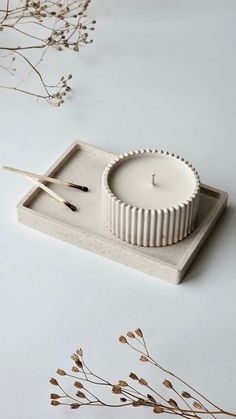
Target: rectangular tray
x,y
84,164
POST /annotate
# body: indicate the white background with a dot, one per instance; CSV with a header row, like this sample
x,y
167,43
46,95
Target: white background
x,y
159,74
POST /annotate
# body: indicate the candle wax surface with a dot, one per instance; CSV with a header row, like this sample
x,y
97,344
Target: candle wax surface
x,y
131,181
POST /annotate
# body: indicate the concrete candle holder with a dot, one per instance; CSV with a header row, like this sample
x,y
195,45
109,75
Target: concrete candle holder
x,y
150,197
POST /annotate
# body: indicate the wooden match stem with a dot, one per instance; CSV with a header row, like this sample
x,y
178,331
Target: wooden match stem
x,y
52,193
46,178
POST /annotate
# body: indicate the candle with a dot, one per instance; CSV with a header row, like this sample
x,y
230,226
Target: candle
x,y
152,181
150,197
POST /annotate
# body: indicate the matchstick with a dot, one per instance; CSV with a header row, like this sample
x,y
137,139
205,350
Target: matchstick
x,y
46,178
52,193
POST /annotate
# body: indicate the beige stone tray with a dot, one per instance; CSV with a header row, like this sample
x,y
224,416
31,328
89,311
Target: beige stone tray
x,y
84,164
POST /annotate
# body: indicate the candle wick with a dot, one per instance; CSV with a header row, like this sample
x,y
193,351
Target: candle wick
x,y
153,179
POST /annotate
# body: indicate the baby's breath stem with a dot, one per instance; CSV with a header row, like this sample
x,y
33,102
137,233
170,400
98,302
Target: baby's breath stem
x,y
130,395
64,26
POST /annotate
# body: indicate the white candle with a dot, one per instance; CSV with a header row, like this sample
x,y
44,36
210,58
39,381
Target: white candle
x,y
132,181
150,198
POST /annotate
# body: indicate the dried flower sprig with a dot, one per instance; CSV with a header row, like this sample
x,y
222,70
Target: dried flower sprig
x,y
135,391
41,25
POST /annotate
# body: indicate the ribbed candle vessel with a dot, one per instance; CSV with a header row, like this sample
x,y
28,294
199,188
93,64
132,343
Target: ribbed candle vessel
x,y
149,227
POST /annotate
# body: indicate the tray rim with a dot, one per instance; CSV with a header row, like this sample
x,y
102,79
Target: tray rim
x,y
179,268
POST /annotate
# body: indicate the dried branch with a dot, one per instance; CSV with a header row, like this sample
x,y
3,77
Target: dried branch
x,y
41,25
136,391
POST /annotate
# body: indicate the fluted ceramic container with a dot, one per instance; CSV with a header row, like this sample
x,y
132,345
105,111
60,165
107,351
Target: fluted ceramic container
x,y
144,226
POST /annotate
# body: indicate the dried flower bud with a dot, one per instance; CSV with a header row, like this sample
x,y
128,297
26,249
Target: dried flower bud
x,y
75,369
74,357
54,396
167,384
158,409
122,339
81,395
131,335
79,352
79,363
136,403
133,376
54,382
55,403
173,403
61,372
74,405
123,383
143,358
116,389
142,401
151,398
142,382
197,405
78,384
139,332
186,395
